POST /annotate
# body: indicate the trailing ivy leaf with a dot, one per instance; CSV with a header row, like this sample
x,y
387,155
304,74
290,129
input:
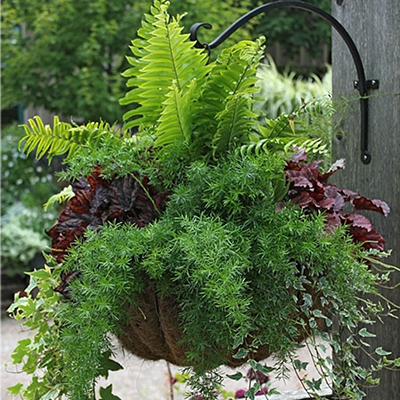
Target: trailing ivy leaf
x,y
382,352
241,353
364,333
106,394
107,364
236,376
16,389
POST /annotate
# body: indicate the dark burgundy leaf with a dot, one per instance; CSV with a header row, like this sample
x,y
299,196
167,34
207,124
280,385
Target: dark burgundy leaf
x,y
303,199
363,203
310,190
332,193
332,223
369,239
326,204
339,164
359,221
98,201
299,156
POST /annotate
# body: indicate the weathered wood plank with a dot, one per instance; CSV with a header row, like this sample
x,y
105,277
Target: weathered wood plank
x,y
375,27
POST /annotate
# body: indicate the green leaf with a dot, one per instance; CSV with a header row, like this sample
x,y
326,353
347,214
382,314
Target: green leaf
x,y
261,367
40,274
14,390
66,194
238,340
63,138
299,365
236,376
106,394
164,57
318,314
241,353
107,364
21,351
382,352
364,333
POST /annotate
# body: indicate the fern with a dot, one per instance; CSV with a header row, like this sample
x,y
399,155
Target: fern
x,y
176,119
62,139
66,194
229,93
164,55
283,134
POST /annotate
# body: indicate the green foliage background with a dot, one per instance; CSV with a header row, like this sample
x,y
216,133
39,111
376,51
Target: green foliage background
x,y
294,29
71,54
25,187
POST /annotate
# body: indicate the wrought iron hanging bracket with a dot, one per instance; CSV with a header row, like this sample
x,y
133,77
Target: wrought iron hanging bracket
x,y
361,84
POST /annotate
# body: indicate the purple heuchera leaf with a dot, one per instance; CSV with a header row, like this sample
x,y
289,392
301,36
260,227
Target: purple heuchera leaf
x,y
299,156
339,164
363,203
311,190
359,221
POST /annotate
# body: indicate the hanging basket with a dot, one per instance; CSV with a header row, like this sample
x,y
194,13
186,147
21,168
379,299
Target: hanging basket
x,y
152,331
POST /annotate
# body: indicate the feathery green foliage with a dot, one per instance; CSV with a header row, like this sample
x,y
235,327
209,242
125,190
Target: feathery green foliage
x,y
63,138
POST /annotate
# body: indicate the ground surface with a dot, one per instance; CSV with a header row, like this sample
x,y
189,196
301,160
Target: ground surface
x,y
140,379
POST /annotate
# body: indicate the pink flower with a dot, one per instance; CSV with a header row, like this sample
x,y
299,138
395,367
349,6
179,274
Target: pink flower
x,y
263,390
258,376
240,393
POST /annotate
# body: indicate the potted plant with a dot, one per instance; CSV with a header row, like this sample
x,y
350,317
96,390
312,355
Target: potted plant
x,y
203,239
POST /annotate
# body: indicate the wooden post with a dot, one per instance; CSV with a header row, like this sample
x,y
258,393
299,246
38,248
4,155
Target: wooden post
x,y
374,26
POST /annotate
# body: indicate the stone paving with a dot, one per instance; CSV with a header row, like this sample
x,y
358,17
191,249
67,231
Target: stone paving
x,y
140,379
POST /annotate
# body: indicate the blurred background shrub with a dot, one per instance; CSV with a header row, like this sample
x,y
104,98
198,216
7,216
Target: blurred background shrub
x,y
285,92
67,56
25,185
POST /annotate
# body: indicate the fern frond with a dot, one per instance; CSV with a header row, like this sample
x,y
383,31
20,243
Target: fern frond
x,y
175,123
279,135
233,87
63,138
66,194
163,55
233,122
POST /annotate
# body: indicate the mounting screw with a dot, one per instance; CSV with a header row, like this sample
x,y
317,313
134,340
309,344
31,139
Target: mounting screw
x,y
373,84
370,84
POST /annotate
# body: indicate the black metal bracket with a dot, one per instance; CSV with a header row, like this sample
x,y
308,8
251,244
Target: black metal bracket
x,y
361,84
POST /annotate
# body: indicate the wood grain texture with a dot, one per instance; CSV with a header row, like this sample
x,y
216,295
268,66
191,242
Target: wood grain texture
x,y
374,26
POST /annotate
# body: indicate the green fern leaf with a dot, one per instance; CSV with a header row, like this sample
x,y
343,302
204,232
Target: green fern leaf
x,y
175,123
163,55
62,139
234,86
235,120
66,194
277,135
